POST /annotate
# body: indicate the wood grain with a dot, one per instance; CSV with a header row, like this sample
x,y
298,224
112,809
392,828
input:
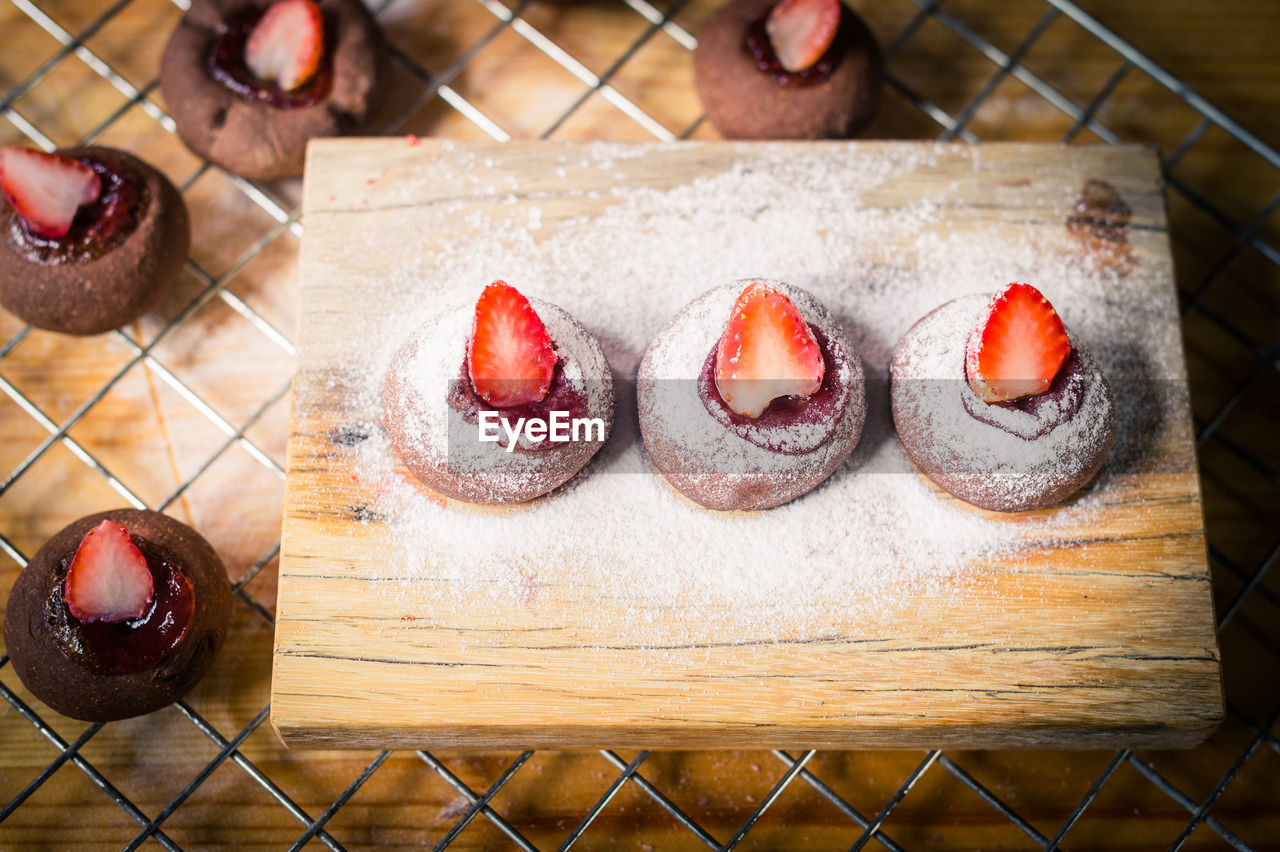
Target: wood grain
x,y
1107,639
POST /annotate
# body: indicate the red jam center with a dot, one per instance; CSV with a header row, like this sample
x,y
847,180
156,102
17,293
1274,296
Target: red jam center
x,y
779,428
560,397
761,49
138,643
226,65
98,227
1042,412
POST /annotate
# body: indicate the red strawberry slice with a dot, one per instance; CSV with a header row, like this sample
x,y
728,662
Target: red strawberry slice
x,y
46,190
766,351
108,579
1017,348
509,354
800,31
287,44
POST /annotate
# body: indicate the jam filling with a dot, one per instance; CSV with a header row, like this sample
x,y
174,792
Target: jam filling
x,y
226,65
761,49
1034,416
560,397
135,644
97,228
790,425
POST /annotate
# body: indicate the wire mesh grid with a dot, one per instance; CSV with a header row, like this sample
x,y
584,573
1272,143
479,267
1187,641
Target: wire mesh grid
x,y
794,769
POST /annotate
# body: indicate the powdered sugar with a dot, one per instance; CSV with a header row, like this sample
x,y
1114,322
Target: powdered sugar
x,y
843,224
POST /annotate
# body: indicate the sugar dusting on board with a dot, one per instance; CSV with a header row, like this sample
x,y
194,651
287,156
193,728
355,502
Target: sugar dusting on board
x,y
623,557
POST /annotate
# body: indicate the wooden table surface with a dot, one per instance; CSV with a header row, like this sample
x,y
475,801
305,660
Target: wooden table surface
x,y
169,428
1086,625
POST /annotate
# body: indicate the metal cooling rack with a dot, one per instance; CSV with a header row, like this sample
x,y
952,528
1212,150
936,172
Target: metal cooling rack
x,y
1007,64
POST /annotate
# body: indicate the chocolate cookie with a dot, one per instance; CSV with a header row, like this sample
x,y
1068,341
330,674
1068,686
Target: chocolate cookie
x,y
98,671
431,412
1006,457
725,462
743,101
121,258
255,129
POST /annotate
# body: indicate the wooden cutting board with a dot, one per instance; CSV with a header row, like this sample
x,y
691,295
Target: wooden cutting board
x,y
1091,624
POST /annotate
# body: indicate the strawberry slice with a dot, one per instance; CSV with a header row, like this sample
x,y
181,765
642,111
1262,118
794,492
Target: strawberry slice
x,y
509,354
108,579
767,351
46,190
800,31
287,44
1018,346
